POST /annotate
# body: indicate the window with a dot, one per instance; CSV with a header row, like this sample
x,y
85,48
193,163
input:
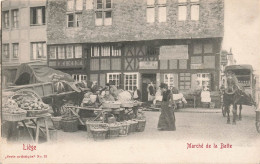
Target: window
x,y
203,80
116,51
74,18
114,77
70,5
38,50
182,13
6,53
169,80
195,12
95,51
15,18
103,12
79,5
105,51
130,81
6,19
194,9
73,5
61,52
150,11
162,13
79,77
162,10
78,51
37,15
15,50
185,81
152,50
69,51
53,52
70,18
89,4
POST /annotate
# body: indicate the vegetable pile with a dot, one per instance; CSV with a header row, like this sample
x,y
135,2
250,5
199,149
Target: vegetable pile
x,y
11,107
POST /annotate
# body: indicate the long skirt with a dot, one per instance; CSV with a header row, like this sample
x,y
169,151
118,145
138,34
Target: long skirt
x,y
167,118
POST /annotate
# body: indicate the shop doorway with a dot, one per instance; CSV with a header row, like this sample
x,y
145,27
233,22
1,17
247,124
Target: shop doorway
x,y
146,79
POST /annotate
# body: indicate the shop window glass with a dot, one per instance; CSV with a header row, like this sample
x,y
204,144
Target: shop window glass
x,y
169,80
185,81
130,81
114,77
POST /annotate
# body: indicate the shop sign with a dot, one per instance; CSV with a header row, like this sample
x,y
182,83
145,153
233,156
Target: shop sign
x,y
148,65
174,52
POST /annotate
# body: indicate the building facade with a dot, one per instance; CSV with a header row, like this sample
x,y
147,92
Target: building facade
x,y
23,35
134,42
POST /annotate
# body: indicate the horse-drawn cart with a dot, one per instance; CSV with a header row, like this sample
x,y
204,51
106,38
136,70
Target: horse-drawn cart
x,y
55,88
240,89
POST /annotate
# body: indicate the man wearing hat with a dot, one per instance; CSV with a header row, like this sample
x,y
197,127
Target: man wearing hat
x,y
167,117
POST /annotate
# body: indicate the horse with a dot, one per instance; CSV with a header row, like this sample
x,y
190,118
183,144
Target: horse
x,y
235,95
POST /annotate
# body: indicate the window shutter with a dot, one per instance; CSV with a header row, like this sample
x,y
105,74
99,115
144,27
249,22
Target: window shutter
x,y
43,15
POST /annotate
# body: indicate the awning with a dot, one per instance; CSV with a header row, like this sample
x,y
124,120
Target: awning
x,y
30,74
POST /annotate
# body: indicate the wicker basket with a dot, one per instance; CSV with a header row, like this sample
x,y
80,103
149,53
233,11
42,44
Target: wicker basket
x,y
14,117
124,128
99,134
69,125
133,126
91,124
111,105
113,131
56,122
141,125
35,113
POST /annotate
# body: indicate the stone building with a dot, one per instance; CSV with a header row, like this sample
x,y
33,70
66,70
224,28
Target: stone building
x,y
134,42
23,35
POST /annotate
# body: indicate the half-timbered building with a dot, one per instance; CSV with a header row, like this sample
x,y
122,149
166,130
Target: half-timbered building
x,y
134,42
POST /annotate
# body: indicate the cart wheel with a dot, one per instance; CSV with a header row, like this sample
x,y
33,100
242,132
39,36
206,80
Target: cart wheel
x,y
223,111
257,124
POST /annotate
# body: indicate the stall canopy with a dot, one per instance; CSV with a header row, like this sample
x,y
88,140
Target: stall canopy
x,y
31,73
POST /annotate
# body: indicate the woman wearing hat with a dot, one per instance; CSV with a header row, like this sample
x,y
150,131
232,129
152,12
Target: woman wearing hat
x,y
167,117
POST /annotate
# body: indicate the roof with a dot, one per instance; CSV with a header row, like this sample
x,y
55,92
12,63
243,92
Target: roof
x,y
239,67
29,74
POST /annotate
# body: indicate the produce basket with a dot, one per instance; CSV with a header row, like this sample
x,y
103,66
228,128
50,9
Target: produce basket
x,y
141,125
99,134
69,124
56,122
111,104
124,128
113,130
95,125
35,113
14,116
133,126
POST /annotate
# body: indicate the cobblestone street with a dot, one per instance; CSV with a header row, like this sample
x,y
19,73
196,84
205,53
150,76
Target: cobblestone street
x,y
198,127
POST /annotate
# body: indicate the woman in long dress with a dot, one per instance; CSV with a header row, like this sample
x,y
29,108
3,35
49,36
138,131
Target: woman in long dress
x,y
167,117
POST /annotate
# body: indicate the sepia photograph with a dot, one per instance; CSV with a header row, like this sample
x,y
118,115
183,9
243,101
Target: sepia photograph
x,y
130,81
